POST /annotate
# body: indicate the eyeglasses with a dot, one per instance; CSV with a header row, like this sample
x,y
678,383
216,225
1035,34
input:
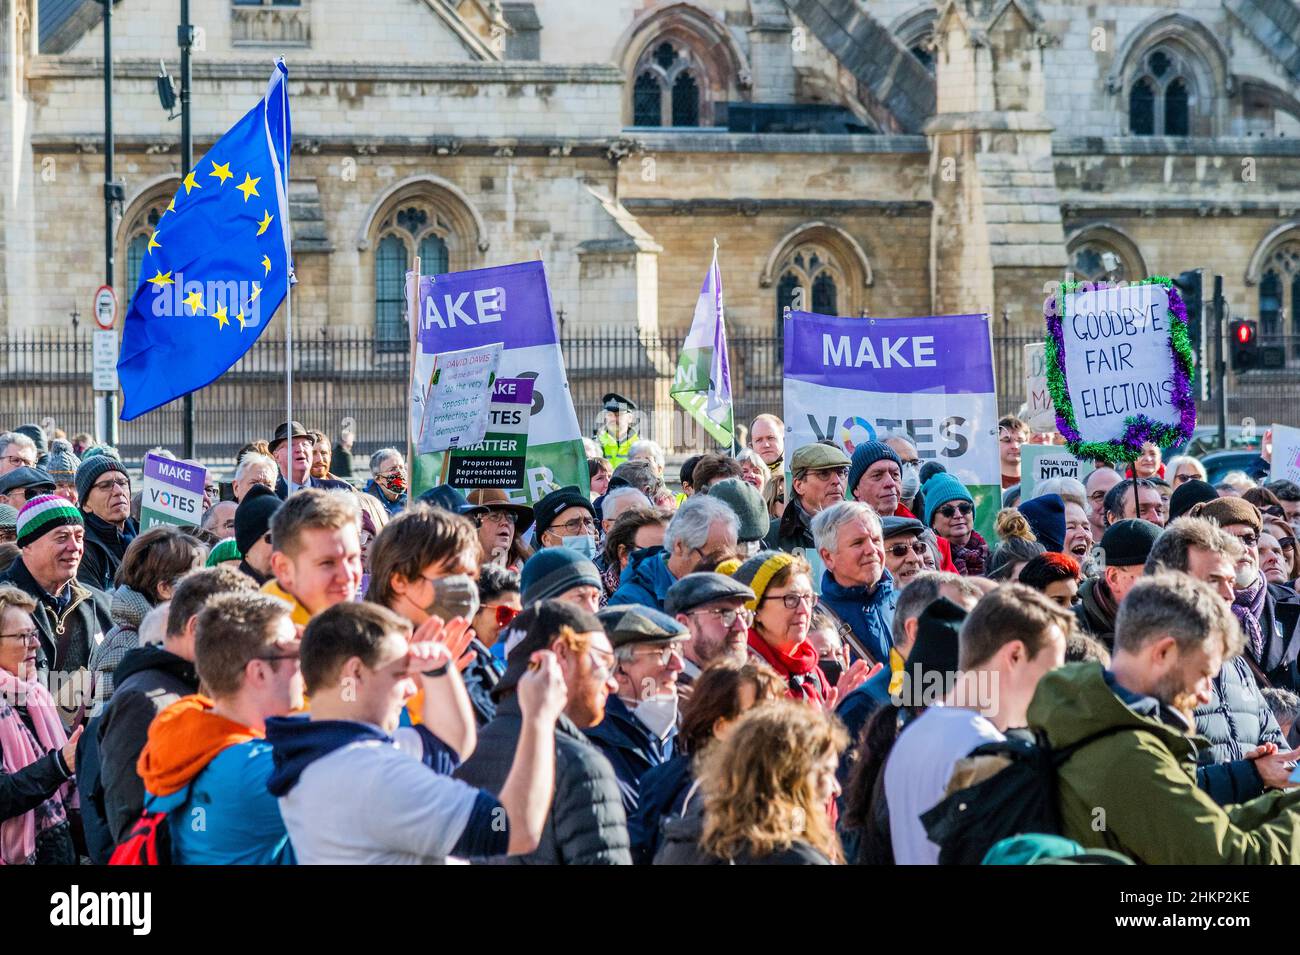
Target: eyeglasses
x,y
18,462
728,618
792,601
900,550
604,664
664,656
825,474
1249,539
575,526
111,483
1286,543
1180,478
27,636
504,614
952,510
212,490
271,657
500,517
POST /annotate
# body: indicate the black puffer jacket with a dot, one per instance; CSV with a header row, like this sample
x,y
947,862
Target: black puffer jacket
x,y
586,824
1236,721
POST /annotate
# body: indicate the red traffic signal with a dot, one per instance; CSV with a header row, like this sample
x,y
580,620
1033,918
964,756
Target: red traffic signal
x,y
1244,342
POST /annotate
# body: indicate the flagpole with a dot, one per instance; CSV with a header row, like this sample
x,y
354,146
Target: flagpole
x,y
288,293
413,321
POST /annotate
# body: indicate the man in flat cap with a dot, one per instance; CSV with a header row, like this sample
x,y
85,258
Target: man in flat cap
x,y
712,608
640,724
617,435
820,474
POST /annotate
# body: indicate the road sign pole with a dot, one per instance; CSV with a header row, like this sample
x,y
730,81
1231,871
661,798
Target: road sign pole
x,y
104,364
1221,362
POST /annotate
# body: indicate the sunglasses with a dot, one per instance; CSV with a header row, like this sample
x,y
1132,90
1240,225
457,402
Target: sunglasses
x,y
900,550
504,614
1286,543
952,510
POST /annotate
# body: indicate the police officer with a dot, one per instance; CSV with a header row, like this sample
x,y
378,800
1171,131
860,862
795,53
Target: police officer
x,y
617,434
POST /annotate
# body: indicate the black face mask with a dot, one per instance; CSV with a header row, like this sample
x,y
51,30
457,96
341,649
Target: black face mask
x,y
832,670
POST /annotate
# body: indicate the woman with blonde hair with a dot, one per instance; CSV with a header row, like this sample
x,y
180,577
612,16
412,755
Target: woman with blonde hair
x,y
768,788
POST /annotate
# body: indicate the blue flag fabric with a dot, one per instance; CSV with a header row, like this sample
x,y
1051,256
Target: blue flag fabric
x,y
217,267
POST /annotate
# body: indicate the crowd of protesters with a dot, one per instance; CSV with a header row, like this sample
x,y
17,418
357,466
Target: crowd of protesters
x,y
792,661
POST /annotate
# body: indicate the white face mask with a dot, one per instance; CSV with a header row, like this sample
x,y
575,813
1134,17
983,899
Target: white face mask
x,y
658,714
584,544
911,481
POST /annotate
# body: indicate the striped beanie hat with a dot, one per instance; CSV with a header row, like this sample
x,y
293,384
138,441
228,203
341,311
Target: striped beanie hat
x,y
757,572
43,514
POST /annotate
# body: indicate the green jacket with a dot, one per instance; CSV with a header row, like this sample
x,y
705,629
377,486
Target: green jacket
x,y
1136,793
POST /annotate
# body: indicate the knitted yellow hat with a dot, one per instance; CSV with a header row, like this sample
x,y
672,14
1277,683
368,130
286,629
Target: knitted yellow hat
x,y
758,571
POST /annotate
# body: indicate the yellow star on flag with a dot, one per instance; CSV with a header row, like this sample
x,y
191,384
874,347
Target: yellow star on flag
x,y
171,207
266,263
221,171
249,186
265,223
239,317
195,301
190,182
161,279
257,290
153,243
222,318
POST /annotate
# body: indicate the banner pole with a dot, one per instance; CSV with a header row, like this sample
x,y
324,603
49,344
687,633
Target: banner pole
x,y
413,321
1137,504
288,301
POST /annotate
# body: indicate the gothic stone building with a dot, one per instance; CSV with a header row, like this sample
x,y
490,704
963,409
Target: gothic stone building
x,y
879,157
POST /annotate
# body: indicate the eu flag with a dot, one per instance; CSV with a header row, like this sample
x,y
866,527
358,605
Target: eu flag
x,y
217,266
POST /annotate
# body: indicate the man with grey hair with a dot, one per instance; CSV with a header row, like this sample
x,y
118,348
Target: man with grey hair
x,y
647,450
855,586
253,469
220,519
19,451
856,708
388,480
1247,750
700,536
1132,784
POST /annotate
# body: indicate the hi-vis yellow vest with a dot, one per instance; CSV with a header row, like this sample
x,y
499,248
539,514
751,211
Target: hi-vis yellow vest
x,y
614,452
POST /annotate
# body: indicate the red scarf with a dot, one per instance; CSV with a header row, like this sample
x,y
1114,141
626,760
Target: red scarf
x,y
798,669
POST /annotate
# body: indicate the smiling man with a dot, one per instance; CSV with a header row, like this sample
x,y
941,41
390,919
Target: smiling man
x,y
292,449
856,587
315,552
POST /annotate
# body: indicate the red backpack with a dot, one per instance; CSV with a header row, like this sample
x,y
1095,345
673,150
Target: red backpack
x,y
148,843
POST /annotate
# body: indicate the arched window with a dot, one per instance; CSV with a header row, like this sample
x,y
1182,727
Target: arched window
x,y
924,53
1279,294
390,293
686,101
670,88
409,226
1100,252
1141,109
812,269
144,221
647,102
1161,97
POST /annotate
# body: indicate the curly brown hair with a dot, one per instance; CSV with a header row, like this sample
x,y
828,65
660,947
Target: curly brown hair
x,y
757,794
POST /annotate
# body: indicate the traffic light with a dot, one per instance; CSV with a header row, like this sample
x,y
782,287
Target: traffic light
x,y
1243,344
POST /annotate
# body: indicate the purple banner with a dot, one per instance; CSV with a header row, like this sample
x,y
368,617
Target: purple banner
x,y
946,354
513,391
507,304
188,477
